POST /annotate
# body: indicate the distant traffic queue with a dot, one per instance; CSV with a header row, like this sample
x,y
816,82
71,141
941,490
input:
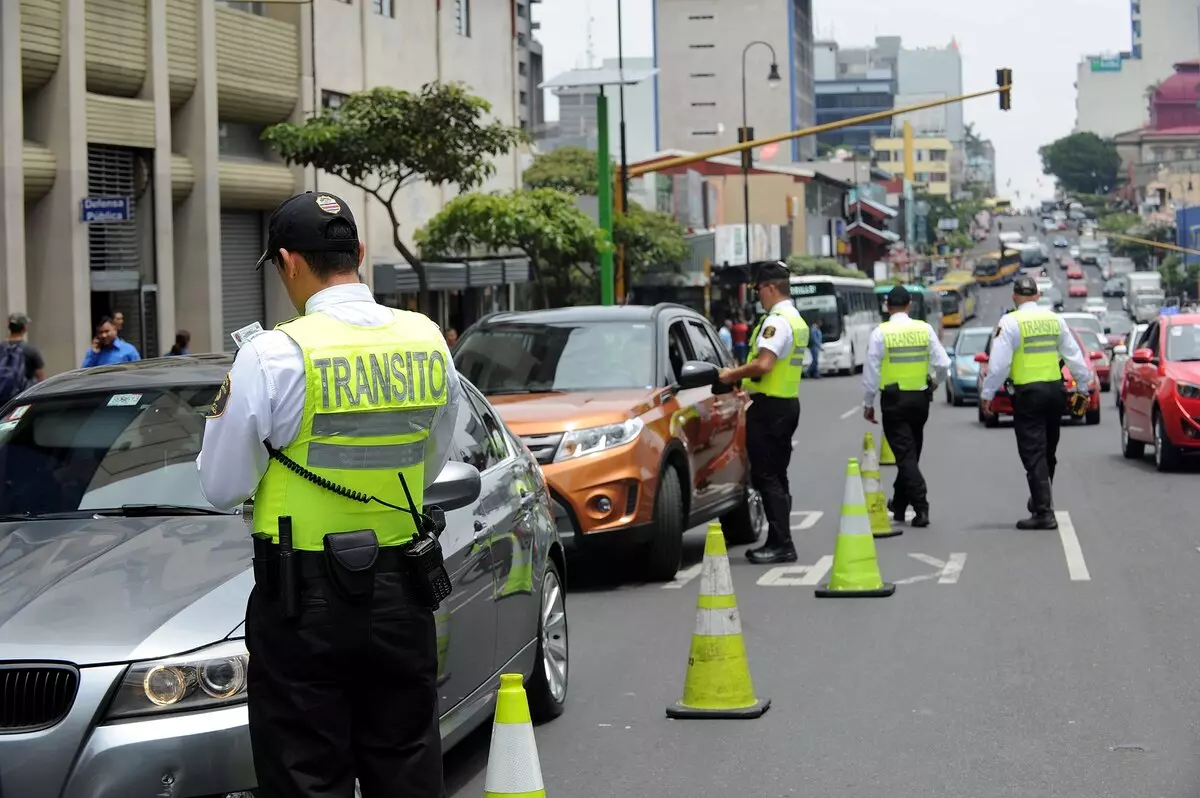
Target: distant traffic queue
x,y
996,268
959,294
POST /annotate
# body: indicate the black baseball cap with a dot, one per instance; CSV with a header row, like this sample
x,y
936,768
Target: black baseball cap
x,y
770,271
300,223
18,319
1024,286
898,297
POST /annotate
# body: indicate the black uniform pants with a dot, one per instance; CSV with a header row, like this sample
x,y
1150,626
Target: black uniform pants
x,y
1037,415
904,417
343,691
770,424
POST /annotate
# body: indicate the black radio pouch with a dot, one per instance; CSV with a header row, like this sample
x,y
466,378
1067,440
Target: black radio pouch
x,y
427,569
266,566
350,560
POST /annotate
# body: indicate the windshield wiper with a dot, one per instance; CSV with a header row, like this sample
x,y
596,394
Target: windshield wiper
x,y
144,510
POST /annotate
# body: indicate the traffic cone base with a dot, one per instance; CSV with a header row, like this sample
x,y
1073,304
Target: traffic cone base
x,y
886,455
855,571
513,769
877,511
877,506
718,683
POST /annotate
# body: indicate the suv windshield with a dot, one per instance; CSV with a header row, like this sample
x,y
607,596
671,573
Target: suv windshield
x,y
83,452
1183,342
1091,340
526,357
972,343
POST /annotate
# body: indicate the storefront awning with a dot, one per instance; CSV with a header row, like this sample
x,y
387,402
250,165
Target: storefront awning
x,y
393,277
858,229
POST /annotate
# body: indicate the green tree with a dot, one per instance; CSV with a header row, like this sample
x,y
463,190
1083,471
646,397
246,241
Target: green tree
x,y
574,170
808,264
385,139
1142,253
559,239
1082,162
651,239
1119,222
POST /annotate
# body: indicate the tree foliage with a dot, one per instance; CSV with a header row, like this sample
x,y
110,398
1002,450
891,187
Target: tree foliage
x,y
560,240
1119,222
385,139
1142,253
574,170
807,264
1082,162
650,238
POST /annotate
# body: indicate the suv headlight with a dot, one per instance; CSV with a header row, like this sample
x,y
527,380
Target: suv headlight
x,y
582,442
208,678
1187,390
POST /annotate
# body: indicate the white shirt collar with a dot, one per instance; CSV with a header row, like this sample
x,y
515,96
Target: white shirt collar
x,y
1028,306
899,316
779,305
336,295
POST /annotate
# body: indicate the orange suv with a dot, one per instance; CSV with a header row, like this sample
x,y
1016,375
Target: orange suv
x,y
622,409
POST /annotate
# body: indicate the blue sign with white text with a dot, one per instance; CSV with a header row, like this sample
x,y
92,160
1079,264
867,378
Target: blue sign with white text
x,y
105,209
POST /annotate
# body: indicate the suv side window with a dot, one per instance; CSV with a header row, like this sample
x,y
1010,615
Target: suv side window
x,y
706,348
497,440
472,443
679,349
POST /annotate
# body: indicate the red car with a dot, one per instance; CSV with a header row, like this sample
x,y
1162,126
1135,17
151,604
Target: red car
x,y
1067,263
1077,288
1160,392
1074,272
1002,403
1094,350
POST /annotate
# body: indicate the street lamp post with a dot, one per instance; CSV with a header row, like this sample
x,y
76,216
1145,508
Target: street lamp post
x,y
744,134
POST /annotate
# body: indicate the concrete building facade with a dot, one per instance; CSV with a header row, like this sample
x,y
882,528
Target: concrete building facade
x,y
698,49
931,156
156,107
576,126
1111,89
531,106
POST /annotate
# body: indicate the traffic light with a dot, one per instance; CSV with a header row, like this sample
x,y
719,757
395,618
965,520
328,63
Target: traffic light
x,y
1004,81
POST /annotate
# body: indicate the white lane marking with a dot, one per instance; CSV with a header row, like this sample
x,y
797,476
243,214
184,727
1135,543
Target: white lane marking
x,y
851,412
807,519
1076,566
948,574
797,575
684,576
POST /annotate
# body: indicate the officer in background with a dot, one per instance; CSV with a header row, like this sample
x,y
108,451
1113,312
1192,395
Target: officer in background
x,y
1030,341
771,375
343,663
899,355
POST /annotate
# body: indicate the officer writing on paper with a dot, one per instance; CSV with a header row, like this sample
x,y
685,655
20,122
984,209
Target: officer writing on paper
x,y
772,377
336,422
1029,343
899,356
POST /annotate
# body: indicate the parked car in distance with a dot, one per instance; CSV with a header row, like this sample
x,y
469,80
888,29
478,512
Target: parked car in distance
x,y
962,385
618,405
1096,306
123,591
1061,242
1113,287
1160,394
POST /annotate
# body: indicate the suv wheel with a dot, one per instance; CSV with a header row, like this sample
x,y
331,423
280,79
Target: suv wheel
x,y
747,523
547,687
666,545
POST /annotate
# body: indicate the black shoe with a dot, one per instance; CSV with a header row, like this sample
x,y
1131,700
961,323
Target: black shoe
x,y
769,554
921,519
1045,521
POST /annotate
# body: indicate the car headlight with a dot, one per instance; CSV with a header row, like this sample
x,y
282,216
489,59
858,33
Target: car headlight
x,y
1187,390
208,678
582,442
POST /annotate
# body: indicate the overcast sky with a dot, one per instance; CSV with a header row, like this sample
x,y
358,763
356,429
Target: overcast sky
x,y
1040,40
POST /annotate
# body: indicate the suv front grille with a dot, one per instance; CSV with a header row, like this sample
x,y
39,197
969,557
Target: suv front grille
x,y
34,697
544,447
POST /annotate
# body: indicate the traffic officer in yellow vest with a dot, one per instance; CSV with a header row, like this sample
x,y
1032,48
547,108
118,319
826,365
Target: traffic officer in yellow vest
x,y
1029,342
316,416
772,377
899,356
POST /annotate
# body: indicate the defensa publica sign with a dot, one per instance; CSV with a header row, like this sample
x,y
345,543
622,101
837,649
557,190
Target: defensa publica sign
x,y
105,209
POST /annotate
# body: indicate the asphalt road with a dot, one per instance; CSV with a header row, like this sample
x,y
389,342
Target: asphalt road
x,y
1052,664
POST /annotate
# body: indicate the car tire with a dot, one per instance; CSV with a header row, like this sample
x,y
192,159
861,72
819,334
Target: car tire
x,y
949,395
1130,449
548,693
1105,387
1092,418
666,546
1166,455
747,523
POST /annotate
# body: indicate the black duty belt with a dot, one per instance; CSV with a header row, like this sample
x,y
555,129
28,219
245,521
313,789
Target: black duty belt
x,y
314,565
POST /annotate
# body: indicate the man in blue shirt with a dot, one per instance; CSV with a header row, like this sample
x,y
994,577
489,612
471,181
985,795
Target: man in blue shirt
x,y
107,348
815,339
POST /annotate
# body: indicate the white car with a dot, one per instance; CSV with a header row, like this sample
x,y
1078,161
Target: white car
x,y
1096,306
1074,252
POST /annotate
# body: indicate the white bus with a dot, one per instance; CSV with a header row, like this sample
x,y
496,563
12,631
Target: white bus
x,y
849,312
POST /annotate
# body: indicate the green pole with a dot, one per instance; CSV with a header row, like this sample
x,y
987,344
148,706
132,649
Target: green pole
x,y
604,195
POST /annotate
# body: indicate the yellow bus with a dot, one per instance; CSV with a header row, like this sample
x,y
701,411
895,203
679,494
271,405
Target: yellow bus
x,y
994,269
998,206
959,297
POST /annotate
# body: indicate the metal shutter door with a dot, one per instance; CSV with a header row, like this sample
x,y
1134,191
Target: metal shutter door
x,y
242,300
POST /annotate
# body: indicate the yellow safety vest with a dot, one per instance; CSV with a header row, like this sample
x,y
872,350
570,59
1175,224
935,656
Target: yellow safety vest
x,y
371,394
783,380
1037,358
906,355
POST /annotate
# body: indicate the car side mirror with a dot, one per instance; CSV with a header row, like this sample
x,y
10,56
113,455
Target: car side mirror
x,y
457,486
981,357
697,374
1120,349
1143,356
1096,355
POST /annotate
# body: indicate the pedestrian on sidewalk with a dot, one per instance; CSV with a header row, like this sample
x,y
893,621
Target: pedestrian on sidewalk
x,y
21,364
108,348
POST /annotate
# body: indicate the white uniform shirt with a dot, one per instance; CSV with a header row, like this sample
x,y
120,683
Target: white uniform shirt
x,y
938,359
775,333
1008,340
266,402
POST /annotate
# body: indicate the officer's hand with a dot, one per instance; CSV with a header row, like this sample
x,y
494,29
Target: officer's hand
x,y
869,414
985,407
726,377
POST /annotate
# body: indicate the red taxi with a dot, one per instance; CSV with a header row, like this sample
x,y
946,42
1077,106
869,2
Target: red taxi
x,y
1160,391
1077,288
1002,403
1094,349
1074,272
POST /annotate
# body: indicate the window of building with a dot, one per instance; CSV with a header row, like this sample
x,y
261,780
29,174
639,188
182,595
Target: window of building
x,y
937,177
922,155
704,132
520,10
1158,153
937,155
522,69
701,46
702,75
462,17
883,156
521,40
333,99
384,8
524,97
1180,153
240,140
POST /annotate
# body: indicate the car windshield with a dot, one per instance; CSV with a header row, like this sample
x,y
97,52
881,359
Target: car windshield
x,y
529,357
1117,325
971,343
1183,342
97,451
1090,340
1085,322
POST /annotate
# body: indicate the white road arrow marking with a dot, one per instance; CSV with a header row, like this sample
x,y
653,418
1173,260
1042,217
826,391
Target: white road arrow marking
x,y
684,576
950,570
797,575
805,519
